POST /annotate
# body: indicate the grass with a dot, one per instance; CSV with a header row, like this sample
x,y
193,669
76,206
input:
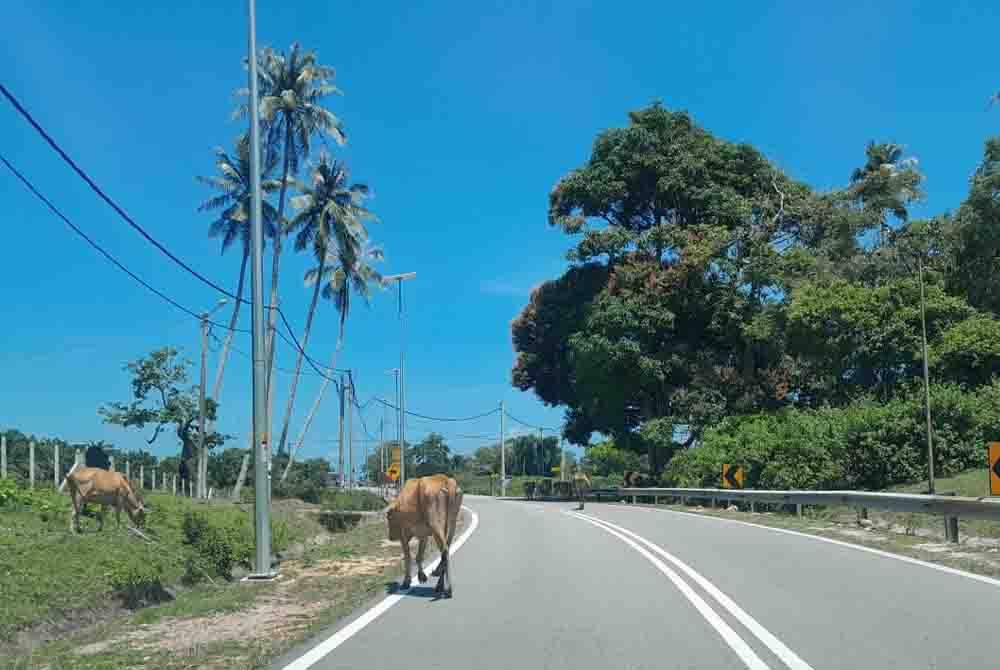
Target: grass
x,y
315,591
49,575
354,501
971,483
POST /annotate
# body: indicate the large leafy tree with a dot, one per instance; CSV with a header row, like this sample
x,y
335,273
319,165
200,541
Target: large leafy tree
x,y
687,241
161,398
432,455
292,89
330,223
233,203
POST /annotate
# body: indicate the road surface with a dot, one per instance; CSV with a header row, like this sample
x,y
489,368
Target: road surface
x,y
538,587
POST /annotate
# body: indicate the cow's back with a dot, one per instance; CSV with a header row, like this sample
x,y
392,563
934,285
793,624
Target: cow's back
x,y
96,483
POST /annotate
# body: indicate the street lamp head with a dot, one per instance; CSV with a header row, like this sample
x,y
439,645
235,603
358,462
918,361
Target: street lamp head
x,y
400,277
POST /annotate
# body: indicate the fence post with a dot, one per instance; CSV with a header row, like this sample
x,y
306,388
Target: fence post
x,y
153,487
3,455
142,475
56,465
798,510
173,485
128,471
31,464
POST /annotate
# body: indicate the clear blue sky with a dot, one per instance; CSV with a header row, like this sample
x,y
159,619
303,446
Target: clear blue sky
x,y
461,118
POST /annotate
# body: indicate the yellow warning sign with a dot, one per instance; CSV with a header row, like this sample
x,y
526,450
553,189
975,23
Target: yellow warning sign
x,y
994,457
732,476
393,472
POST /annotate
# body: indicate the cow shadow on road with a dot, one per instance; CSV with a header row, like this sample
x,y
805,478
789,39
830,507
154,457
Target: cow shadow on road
x,y
415,591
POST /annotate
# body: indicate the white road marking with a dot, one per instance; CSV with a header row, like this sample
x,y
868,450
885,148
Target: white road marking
x,y
731,637
840,543
344,634
788,657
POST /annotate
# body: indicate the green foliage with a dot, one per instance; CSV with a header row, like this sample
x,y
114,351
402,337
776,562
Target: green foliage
x,y
432,456
605,459
968,352
219,546
352,501
161,399
46,501
138,582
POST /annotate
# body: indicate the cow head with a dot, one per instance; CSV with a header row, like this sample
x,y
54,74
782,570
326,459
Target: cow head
x,y
136,508
395,532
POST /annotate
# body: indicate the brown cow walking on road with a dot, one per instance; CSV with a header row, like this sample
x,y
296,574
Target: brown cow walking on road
x,y
427,506
94,485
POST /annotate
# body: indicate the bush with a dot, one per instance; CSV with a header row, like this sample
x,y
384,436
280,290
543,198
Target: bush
x,y
219,546
354,501
308,490
138,582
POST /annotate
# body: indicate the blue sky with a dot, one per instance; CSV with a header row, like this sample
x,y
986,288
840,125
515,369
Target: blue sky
x,y
461,116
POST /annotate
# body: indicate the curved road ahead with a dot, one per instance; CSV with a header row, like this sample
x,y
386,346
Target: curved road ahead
x,y
620,587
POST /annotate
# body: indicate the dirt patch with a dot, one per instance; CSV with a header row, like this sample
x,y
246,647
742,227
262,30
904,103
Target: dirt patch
x,y
861,534
350,567
67,624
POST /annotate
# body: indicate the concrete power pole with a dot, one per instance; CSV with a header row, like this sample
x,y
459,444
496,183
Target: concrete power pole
x,y
503,455
927,384
261,439
340,458
350,430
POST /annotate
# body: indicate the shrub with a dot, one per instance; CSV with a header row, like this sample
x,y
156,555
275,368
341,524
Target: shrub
x,y
353,501
220,546
138,582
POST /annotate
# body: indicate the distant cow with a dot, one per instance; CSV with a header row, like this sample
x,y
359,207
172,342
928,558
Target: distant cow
x,y
637,480
427,506
94,485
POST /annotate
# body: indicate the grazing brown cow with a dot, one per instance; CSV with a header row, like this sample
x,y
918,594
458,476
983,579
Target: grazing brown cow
x,y
427,506
94,485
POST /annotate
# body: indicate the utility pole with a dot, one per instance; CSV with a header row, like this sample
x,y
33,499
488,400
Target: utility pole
x,y
202,451
381,451
562,460
399,279
503,454
262,480
927,382
350,430
340,458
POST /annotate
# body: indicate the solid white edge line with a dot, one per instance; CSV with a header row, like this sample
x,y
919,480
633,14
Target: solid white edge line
x,y
312,656
878,552
731,637
787,656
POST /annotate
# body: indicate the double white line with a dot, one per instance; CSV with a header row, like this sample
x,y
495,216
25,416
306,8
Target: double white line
x,y
749,657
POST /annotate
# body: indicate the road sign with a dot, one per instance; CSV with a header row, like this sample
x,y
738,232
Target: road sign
x,y
395,455
393,472
994,468
732,476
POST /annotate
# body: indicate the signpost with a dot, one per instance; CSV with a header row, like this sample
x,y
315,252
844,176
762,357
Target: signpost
x,y
994,458
732,476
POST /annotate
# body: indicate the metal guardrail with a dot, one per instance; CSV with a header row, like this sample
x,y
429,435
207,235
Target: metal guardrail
x,y
950,507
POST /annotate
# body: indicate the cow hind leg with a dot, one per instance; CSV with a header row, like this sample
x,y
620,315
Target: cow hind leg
x,y
100,518
405,540
421,548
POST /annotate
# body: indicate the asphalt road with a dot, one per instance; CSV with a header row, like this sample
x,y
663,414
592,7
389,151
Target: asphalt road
x,y
537,587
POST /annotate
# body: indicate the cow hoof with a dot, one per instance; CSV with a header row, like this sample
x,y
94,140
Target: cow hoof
x,y
405,585
437,571
422,577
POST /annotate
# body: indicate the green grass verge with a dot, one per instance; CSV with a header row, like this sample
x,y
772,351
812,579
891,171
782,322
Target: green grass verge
x,y
50,576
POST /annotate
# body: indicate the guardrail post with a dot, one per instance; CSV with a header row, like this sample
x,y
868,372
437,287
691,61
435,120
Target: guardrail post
x,y
753,507
798,510
951,529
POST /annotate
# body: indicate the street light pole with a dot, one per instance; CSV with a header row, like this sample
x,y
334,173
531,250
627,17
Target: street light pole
x,y
202,451
262,499
399,279
927,383
503,455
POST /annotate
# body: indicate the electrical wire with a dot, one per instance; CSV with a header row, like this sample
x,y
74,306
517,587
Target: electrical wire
x,y
527,425
437,418
114,261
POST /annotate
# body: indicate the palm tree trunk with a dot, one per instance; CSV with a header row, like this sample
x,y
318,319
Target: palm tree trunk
x,y
298,359
273,314
224,355
312,412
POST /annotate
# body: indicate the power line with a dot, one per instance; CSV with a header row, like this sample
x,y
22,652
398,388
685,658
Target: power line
x,y
527,425
437,418
55,210
97,189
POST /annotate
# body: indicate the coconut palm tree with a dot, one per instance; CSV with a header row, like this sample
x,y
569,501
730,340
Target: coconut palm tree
x,y
338,280
234,199
886,183
331,218
291,91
